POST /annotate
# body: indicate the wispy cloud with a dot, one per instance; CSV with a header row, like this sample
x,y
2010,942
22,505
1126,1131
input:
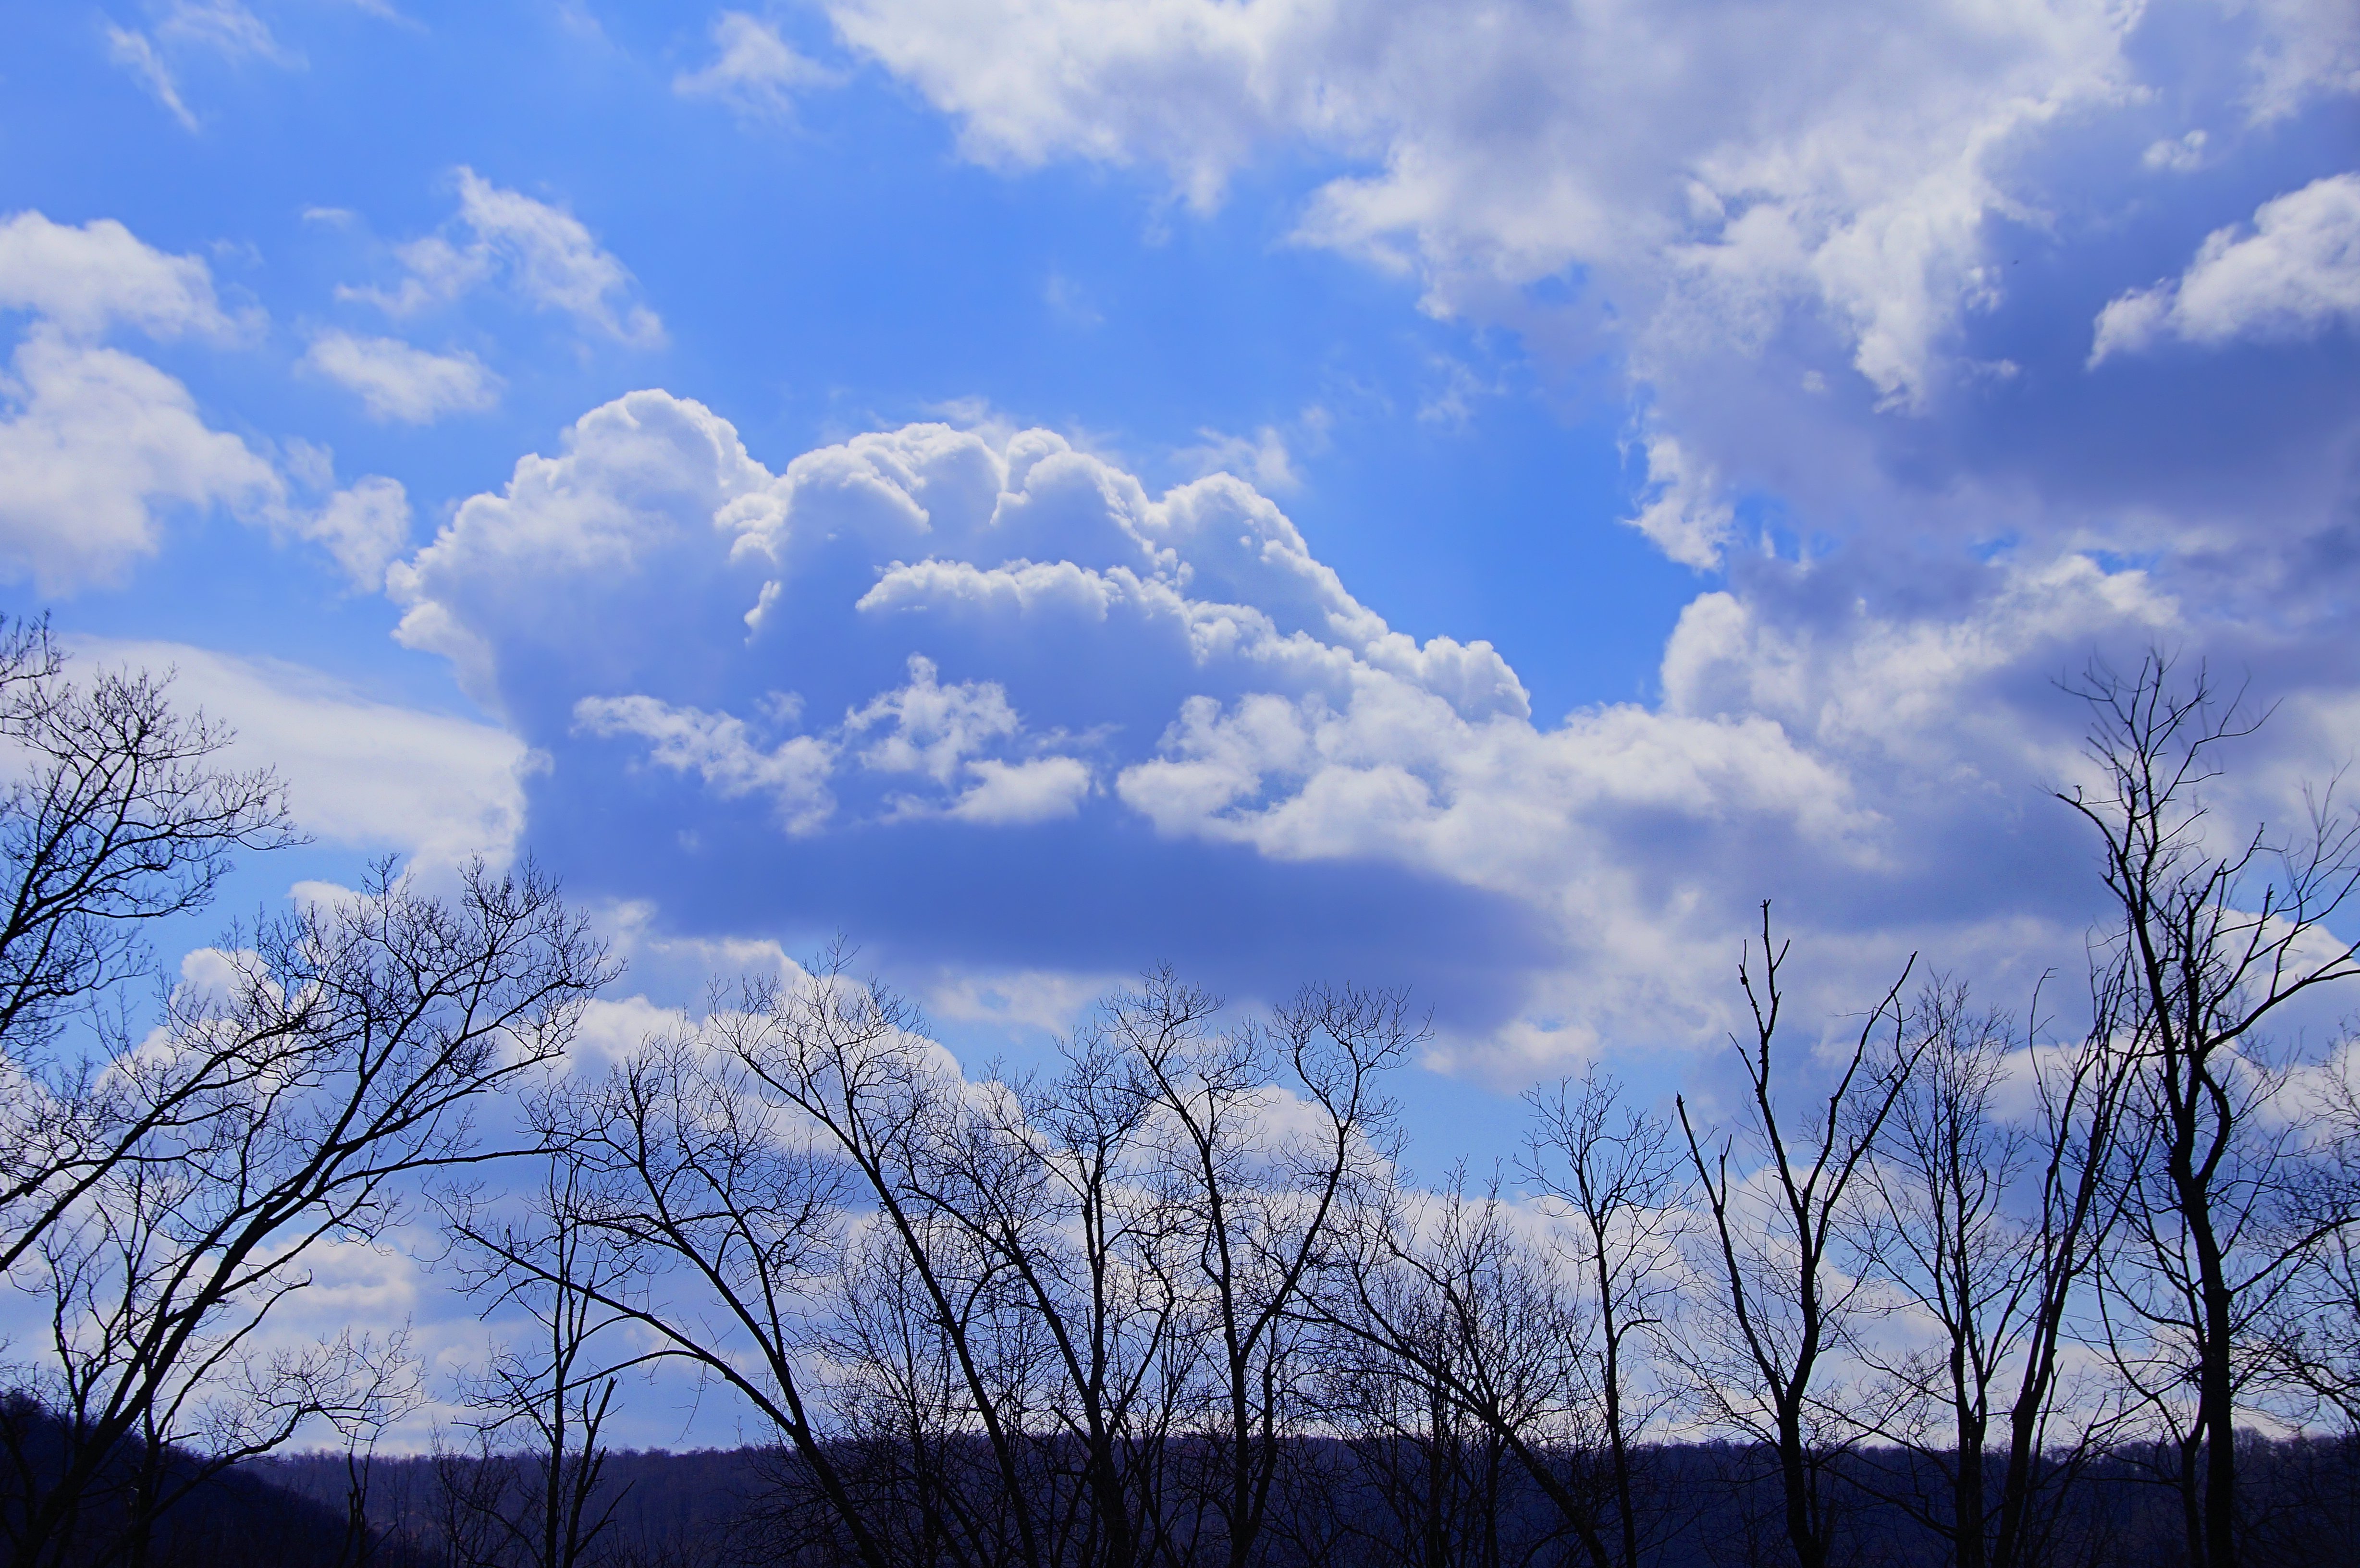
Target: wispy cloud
x,y
542,253
397,381
225,29
756,72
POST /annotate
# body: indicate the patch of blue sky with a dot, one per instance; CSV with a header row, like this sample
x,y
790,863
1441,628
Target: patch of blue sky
x,y
839,271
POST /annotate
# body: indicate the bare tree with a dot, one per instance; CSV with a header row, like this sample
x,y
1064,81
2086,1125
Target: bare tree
x,y
1443,1296
1258,1205
2214,938
1613,1170
539,1410
2314,1333
362,1040
119,817
1945,1222
720,1199
1784,1302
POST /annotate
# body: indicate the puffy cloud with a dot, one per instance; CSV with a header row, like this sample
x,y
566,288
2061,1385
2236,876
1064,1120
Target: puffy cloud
x,y
2296,274
756,72
1680,508
987,701
2307,48
362,528
96,444
718,748
92,441
84,280
1034,791
361,772
1832,292
544,254
1518,140
397,381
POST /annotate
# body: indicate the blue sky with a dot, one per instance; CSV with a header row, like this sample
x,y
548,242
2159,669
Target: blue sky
x,y
1471,498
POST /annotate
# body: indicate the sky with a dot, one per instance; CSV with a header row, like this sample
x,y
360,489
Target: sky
x,y
1469,496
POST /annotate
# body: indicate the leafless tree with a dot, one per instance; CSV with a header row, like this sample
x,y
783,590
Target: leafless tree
x,y
1468,1314
118,816
1256,1204
1761,1358
2214,938
719,1199
2314,1333
365,1037
1612,1168
1945,1221
539,1411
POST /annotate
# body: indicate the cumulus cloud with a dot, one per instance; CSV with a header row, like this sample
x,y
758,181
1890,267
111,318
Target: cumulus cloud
x,y
359,771
1828,291
2296,274
362,528
93,443
82,280
756,72
545,255
2179,157
720,750
97,445
1645,146
2306,48
397,381
1083,724
1681,508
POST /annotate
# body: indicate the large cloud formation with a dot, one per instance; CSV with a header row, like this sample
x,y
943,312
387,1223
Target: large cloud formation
x,y
986,702
1880,289
1849,259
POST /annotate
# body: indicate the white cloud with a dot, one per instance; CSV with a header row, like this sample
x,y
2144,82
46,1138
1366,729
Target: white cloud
x,y
1227,690
225,27
84,280
938,733
1261,458
2181,157
2296,274
93,443
368,774
1039,791
757,72
720,749
2307,48
542,253
941,732
137,53
1680,506
930,728
222,29
362,528
397,381
1647,145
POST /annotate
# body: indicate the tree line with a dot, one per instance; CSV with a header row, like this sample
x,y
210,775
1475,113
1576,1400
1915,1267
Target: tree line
x,y
1161,1303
